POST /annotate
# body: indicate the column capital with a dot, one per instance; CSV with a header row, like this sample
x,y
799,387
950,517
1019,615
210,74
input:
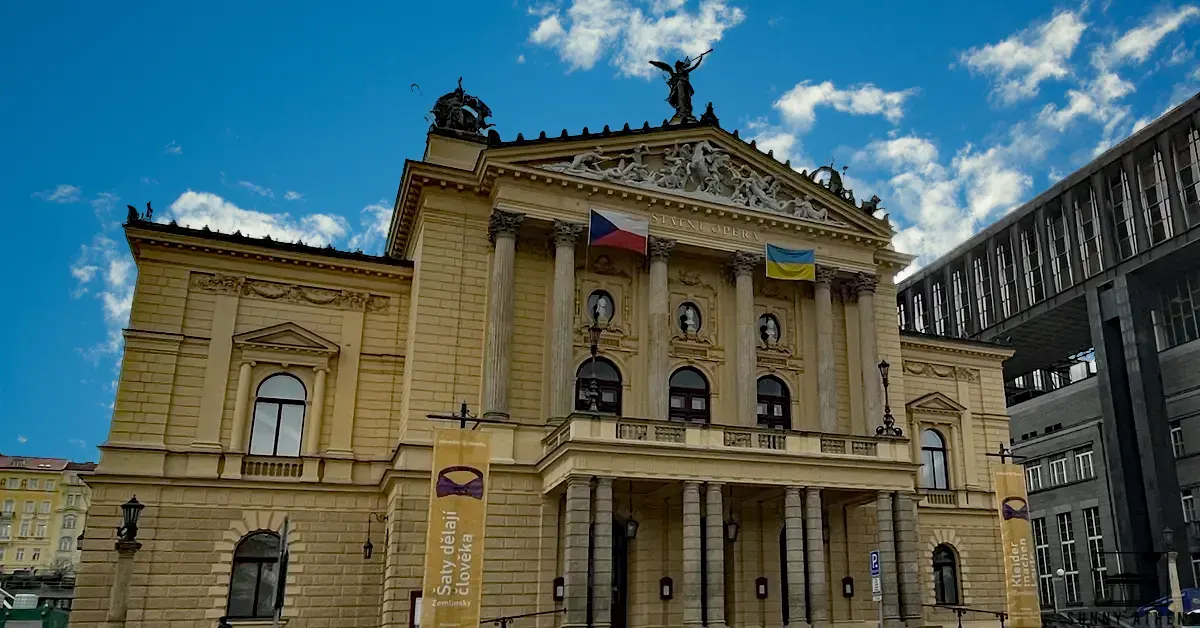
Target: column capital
x,y
660,248
825,274
604,481
565,233
576,480
865,282
502,223
744,263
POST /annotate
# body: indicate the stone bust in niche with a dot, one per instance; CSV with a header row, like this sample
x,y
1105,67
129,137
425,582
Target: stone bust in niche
x,y
601,308
768,330
689,319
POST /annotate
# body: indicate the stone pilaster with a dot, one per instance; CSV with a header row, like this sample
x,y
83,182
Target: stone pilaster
x,y
691,554
909,573
118,595
887,560
658,360
872,390
826,375
577,522
316,411
502,228
241,410
565,235
714,531
602,559
817,585
793,525
743,264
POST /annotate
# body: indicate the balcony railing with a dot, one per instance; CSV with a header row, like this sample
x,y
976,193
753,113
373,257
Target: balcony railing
x,y
580,428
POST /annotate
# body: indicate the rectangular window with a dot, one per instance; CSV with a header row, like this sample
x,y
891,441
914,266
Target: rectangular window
x,y
20,554
1189,506
1066,541
1195,567
1185,141
962,303
40,532
45,508
1177,441
2,555
901,316
29,506
36,555
941,309
1007,269
1095,540
1033,477
1176,319
1041,547
1031,257
983,291
1060,255
14,484
1122,211
1152,182
919,313
1058,470
24,529
1087,221
5,530
72,500
9,506
50,485
1084,469
33,484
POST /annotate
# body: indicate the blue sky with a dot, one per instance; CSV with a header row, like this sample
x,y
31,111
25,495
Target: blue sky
x,y
294,119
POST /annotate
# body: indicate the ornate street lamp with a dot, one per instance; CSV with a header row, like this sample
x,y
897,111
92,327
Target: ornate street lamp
x,y
369,547
593,391
130,511
889,422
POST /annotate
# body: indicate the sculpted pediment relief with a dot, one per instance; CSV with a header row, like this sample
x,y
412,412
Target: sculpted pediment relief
x,y
285,337
937,403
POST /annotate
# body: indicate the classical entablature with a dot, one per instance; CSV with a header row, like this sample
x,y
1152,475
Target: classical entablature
x,y
696,168
286,343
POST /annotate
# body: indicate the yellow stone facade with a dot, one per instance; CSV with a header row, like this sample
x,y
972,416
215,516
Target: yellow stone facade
x,y
380,343
43,509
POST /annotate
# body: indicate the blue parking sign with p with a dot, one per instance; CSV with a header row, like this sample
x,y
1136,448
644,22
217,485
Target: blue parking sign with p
x,y
874,562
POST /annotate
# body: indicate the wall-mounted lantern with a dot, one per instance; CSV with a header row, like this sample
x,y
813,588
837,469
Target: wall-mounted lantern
x,y
760,588
666,588
560,589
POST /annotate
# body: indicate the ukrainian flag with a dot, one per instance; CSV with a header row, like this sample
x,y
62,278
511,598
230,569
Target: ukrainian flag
x,y
791,264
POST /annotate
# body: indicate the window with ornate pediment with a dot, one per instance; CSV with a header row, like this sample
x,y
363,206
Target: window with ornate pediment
x,y
278,416
938,419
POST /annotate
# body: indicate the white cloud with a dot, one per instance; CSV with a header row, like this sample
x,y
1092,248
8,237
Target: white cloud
x,y
79,442
799,104
111,271
63,193
257,189
630,34
903,152
520,58
21,438
149,181
200,209
1138,42
172,149
103,205
376,220
292,195
1020,63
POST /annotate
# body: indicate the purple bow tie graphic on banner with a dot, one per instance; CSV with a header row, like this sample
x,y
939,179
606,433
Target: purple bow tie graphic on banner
x,y
1015,508
472,488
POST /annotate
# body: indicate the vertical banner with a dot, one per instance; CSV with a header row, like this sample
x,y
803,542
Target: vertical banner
x,y
454,543
1016,534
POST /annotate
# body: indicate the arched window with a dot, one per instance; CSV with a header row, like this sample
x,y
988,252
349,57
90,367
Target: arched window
x,y
69,522
278,417
64,544
934,470
774,403
689,396
945,575
608,382
255,576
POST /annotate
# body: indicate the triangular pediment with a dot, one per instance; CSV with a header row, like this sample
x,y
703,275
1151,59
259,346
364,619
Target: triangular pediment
x,y
286,336
699,163
936,402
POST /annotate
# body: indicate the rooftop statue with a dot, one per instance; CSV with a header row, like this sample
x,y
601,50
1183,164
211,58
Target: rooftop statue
x,y
462,112
680,82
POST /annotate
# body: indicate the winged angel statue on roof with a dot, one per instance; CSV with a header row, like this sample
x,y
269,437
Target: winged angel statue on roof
x,y
680,82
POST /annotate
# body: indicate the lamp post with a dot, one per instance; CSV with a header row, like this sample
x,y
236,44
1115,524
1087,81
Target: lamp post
x,y
593,391
126,545
1168,536
1058,575
889,422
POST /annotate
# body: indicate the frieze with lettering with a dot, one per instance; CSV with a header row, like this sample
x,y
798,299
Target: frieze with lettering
x,y
707,228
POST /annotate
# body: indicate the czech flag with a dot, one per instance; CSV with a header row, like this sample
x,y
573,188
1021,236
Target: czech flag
x,y
791,264
618,231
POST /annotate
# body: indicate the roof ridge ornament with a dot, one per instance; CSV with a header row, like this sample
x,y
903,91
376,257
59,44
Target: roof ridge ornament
x,y
680,82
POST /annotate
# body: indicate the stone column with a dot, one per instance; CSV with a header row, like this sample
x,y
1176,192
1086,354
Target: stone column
x,y
562,396
909,572
887,560
118,595
868,357
817,585
241,409
691,554
502,229
743,264
715,535
826,375
312,423
602,559
658,360
577,522
793,522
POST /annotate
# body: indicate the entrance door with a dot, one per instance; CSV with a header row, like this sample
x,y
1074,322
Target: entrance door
x,y
620,565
